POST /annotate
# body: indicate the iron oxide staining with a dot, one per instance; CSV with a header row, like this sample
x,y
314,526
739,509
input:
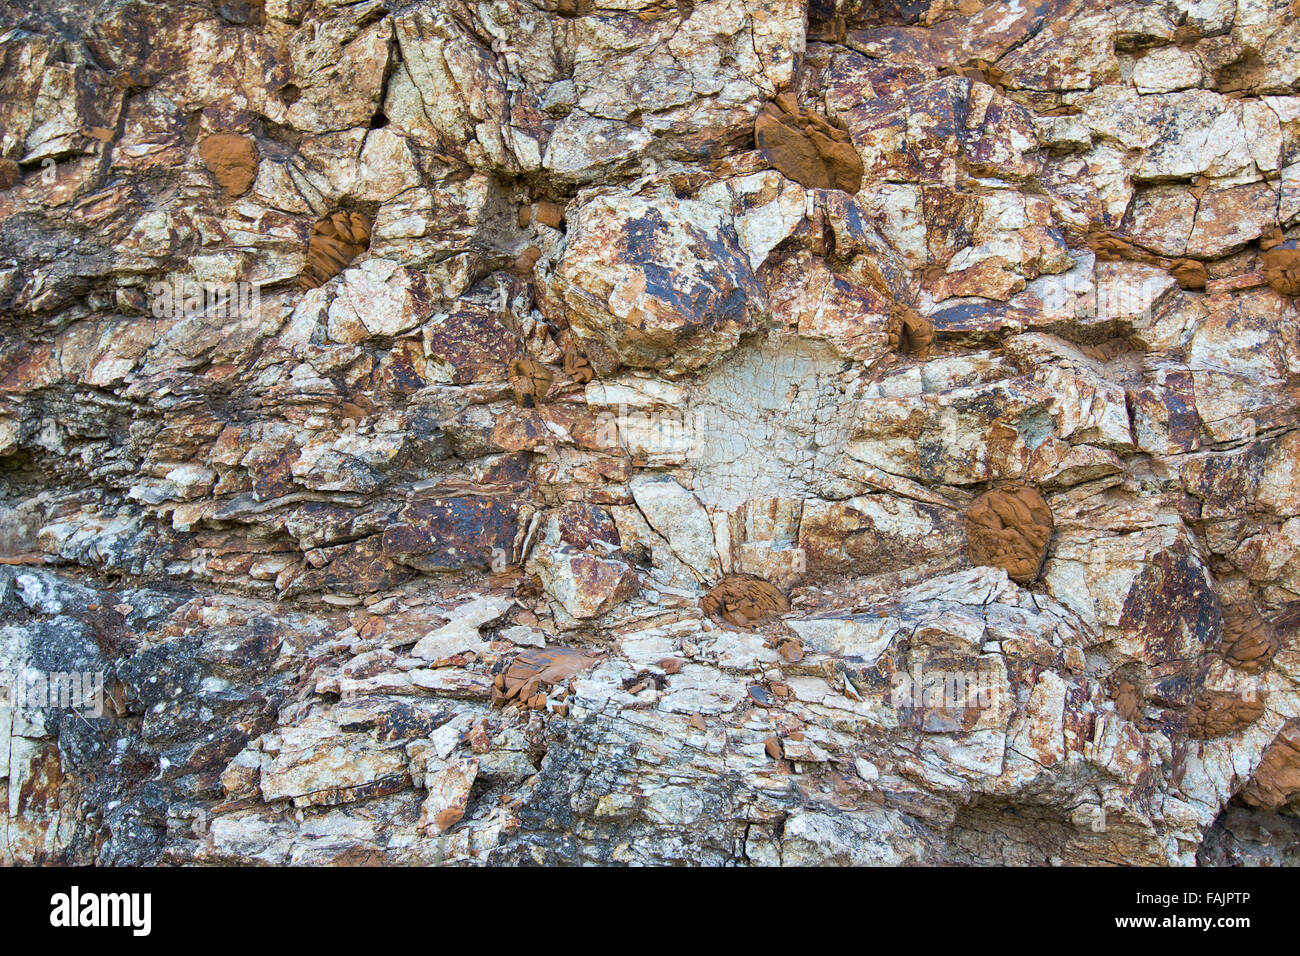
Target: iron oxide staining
x,y
1281,264
806,148
1009,528
9,173
1190,274
535,670
744,600
335,241
577,367
232,160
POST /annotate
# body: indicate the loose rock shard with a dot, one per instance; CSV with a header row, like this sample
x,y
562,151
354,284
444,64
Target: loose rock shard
x,y
806,147
1009,528
232,160
335,241
744,601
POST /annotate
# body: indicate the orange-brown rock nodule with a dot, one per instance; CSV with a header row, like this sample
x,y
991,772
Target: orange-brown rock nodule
x,y
335,241
232,160
806,147
1282,268
535,669
1009,528
744,600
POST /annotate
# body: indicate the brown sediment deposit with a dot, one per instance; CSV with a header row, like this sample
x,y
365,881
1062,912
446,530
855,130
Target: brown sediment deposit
x,y
806,147
335,241
1009,528
232,160
533,671
744,600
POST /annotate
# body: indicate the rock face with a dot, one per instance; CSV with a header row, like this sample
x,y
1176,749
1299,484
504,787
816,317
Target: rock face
x,y
730,432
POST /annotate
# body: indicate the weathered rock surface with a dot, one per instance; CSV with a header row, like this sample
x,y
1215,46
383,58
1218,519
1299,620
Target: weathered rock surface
x,y
618,482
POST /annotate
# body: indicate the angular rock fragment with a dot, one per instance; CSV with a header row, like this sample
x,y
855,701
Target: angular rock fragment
x,y
232,160
1276,781
585,585
1009,528
449,792
806,147
744,600
653,282
335,241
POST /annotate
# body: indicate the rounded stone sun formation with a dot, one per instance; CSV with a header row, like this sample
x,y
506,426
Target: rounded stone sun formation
x,y
729,432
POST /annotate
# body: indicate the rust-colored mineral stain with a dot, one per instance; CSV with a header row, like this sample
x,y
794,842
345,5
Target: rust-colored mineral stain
x,y
806,147
1009,528
529,381
1282,268
535,669
744,600
232,160
1219,713
335,241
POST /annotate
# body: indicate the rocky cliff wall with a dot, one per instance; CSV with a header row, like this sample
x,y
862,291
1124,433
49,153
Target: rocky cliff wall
x,y
729,432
